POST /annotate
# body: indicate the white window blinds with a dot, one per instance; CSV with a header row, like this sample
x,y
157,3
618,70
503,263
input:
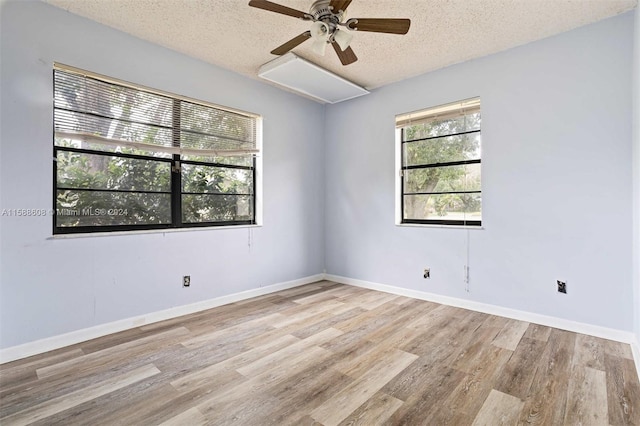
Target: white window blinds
x,y
439,113
109,113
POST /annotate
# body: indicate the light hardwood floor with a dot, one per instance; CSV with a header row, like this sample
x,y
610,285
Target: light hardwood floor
x,y
328,354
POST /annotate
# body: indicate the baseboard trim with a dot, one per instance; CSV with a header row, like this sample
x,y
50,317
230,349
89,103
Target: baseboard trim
x,y
555,322
56,342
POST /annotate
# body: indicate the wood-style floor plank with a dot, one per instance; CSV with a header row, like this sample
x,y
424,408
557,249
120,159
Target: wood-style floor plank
x,y
374,411
430,391
26,372
247,329
587,397
150,401
462,405
538,332
617,349
338,407
191,417
589,352
517,376
228,403
315,327
112,355
276,358
498,409
215,372
547,400
623,391
301,393
72,399
328,354
510,335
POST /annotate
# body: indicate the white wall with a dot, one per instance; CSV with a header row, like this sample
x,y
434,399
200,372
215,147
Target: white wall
x,y
556,181
49,287
636,170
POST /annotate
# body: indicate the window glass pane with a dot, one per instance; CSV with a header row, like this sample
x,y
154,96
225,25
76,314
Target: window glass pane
x,y
97,146
79,170
216,208
216,180
443,127
98,208
464,177
443,207
442,150
242,160
473,177
200,141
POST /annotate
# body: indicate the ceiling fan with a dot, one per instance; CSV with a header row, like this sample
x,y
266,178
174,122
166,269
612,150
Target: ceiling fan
x,y
326,17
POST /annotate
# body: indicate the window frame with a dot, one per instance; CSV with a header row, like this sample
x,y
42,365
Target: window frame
x,y
175,161
401,168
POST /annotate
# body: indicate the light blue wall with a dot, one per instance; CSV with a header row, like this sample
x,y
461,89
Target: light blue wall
x,y
556,175
49,287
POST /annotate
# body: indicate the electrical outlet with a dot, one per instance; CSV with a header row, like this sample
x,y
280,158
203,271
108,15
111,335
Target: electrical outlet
x,y
186,281
427,273
562,286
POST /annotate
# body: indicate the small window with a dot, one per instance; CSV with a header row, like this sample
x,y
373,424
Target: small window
x,y
439,152
132,158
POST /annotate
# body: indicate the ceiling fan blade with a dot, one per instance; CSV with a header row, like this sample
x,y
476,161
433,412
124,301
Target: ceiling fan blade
x,y
390,26
278,8
337,5
281,50
346,56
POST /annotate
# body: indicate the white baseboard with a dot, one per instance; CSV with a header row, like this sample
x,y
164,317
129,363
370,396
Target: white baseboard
x,y
55,342
564,324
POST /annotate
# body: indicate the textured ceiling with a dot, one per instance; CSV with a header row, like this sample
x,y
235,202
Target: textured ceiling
x,y
232,35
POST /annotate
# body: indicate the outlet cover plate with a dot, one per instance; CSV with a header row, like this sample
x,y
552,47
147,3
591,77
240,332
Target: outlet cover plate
x,y
562,286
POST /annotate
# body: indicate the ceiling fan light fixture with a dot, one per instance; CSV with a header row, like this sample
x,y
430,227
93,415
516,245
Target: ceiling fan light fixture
x,y
343,38
319,31
319,46
320,35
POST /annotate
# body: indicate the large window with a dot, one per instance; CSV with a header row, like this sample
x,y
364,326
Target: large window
x,y
439,165
133,158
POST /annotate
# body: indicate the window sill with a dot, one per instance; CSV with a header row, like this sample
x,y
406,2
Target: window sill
x,y
146,231
433,225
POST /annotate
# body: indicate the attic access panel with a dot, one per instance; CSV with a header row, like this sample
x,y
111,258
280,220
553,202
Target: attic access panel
x,y
307,78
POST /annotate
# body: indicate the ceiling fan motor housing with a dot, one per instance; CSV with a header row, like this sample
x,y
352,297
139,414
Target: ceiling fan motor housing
x,y
321,11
